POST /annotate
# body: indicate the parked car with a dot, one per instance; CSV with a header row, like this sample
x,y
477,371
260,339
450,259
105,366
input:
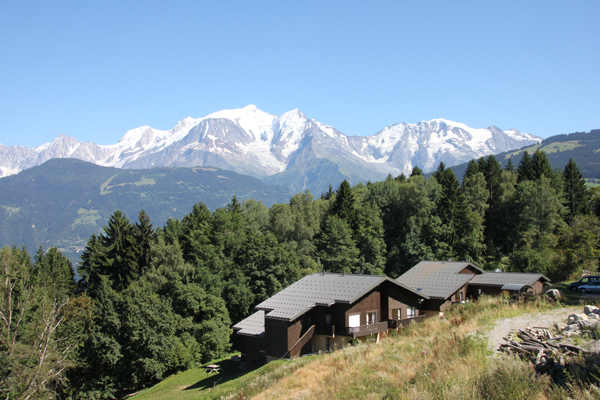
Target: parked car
x,y
593,287
584,281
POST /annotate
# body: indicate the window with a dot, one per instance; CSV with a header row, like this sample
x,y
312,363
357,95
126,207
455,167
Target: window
x,y
397,313
461,296
353,321
479,291
327,344
411,312
328,319
371,317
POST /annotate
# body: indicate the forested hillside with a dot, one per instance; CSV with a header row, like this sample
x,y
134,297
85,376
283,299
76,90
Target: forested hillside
x,y
581,146
63,201
155,301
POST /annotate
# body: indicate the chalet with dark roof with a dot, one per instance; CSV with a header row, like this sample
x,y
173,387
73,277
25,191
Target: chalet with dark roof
x,y
497,282
325,311
448,282
444,282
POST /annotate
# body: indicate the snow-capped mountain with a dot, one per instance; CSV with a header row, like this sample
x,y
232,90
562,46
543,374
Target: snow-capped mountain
x,y
290,149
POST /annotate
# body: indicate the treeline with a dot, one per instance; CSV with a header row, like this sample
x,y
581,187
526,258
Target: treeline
x,y
152,302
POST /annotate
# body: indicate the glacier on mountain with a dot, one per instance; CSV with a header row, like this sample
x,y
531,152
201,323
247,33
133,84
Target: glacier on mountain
x,y
253,142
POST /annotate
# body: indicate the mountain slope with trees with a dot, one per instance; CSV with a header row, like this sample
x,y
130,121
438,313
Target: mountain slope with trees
x,y
581,146
152,302
63,201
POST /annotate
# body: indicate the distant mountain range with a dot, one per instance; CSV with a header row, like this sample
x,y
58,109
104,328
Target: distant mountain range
x,y
63,201
290,150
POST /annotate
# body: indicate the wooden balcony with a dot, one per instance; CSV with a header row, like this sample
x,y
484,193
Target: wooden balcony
x,y
399,323
365,330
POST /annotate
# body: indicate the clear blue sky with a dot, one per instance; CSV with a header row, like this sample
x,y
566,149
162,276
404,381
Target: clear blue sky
x,y
95,69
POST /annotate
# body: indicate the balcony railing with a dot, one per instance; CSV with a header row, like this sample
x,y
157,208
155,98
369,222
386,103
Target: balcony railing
x,y
398,323
365,330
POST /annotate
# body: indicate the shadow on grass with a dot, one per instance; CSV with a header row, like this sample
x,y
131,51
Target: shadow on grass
x,y
229,370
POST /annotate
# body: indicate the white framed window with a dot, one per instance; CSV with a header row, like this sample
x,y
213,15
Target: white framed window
x,y
397,313
411,312
371,317
353,321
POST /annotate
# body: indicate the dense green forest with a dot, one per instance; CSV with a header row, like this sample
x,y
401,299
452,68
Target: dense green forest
x,y
152,302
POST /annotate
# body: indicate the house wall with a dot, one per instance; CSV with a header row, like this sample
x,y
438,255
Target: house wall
x,y
337,343
397,298
370,302
473,290
251,347
538,287
276,337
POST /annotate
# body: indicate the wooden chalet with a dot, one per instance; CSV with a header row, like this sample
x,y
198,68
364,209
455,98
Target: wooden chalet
x,y
498,282
326,311
448,282
444,282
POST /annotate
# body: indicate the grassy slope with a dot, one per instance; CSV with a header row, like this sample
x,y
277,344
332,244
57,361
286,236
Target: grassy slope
x,y
437,359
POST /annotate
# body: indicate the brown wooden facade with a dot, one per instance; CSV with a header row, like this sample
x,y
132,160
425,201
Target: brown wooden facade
x,y
331,324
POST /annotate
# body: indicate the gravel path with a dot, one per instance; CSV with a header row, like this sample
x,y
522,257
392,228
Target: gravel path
x,y
546,319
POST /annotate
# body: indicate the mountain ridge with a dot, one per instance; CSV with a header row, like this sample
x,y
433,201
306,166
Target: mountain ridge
x,y
253,142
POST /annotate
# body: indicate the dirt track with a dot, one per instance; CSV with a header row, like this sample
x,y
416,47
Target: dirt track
x,y
545,319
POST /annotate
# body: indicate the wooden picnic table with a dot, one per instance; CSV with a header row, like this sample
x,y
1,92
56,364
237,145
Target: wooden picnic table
x,y
212,368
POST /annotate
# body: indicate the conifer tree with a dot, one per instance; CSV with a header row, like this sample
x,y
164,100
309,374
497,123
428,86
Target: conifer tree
x,y
416,171
576,191
344,205
328,194
143,235
401,177
337,249
524,172
510,167
481,163
438,174
471,170
118,261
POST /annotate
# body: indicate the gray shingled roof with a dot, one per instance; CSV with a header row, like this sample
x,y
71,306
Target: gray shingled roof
x,y
504,278
437,279
322,289
254,325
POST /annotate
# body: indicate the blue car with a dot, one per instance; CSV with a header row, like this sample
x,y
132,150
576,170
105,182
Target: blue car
x,y
593,287
586,280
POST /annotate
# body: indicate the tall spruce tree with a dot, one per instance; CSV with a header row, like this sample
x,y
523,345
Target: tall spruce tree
x,y
524,170
471,170
576,191
344,205
118,261
510,167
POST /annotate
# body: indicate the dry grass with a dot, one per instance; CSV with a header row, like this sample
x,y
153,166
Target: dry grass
x,y
437,359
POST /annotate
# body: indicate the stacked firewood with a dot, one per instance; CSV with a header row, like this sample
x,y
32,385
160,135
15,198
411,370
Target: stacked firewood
x,y
548,353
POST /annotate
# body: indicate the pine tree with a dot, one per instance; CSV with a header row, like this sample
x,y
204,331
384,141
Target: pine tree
x,y
524,172
576,191
337,249
328,194
143,235
416,171
401,177
510,167
471,170
344,205
438,174
118,261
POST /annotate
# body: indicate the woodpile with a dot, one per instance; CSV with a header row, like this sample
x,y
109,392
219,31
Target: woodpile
x,y
553,354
